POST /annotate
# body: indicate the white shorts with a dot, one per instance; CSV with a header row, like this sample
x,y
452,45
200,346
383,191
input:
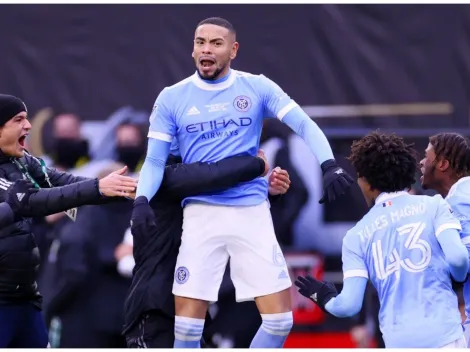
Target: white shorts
x,y
211,235
459,343
466,332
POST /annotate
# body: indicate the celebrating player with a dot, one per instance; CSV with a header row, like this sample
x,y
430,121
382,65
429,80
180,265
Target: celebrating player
x,y
446,169
407,245
214,114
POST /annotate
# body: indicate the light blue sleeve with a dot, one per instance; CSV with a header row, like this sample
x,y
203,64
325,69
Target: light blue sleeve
x,y
278,104
349,301
461,210
352,257
447,229
151,174
355,273
161,134
162,120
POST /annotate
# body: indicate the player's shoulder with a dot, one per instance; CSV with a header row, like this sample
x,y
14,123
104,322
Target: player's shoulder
x,y
251,77
460,189
356,233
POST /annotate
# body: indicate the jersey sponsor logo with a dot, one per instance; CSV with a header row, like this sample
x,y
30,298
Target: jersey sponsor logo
x,y
181,275
220,128
242,103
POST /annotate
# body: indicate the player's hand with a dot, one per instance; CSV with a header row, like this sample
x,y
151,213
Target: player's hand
x,y
336,181
142,218
278,182
261,155
319,292
17,197
117,185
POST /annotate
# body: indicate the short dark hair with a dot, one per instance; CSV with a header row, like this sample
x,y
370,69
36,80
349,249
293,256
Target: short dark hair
x,y
385,161
219,21
455,148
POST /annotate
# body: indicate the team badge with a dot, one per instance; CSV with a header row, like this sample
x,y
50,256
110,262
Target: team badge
x,y
181,275
242,103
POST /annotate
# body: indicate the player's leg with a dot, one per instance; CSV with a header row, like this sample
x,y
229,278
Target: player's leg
x,y
259,271
200,266
459,343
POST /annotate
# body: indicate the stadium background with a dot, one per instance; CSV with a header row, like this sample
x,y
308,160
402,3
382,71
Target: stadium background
x,y
354,68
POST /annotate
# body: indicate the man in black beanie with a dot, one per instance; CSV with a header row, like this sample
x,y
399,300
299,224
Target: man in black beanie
x,y
28,188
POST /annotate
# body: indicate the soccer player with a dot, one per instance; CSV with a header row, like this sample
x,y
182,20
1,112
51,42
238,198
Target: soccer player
x,y
446,169
149,308
214,114
407,245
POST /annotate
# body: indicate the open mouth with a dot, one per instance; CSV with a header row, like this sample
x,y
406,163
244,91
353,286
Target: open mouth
x,y
22,140
206,62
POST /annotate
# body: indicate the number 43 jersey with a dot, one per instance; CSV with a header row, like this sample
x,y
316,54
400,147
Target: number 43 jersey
x,y
395,246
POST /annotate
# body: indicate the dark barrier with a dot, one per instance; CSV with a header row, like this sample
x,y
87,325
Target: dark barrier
x,y
94,59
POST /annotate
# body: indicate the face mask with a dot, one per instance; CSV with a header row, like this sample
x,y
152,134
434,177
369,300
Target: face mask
x,y
130,156
69,151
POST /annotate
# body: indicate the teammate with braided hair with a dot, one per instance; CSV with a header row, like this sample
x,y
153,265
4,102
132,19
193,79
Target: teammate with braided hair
x,y
446,169
407,245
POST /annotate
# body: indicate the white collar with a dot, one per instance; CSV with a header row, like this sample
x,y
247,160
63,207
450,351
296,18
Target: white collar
x,y
200,83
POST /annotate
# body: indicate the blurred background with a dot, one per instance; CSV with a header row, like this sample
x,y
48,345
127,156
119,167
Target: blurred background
x,y
89,75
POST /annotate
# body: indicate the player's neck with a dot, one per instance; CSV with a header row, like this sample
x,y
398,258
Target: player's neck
x,y
222,78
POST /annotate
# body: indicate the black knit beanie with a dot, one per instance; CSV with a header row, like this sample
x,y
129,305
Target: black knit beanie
x,y
10,106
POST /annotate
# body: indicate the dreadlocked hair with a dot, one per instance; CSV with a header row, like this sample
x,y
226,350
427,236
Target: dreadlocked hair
x,y
454,148
385,161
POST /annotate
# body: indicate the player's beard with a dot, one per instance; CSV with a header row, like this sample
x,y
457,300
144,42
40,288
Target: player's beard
x,y
213,76
428,176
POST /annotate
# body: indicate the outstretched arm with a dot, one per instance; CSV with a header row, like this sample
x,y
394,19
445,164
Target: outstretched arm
x,y
186,180
349,301
151,174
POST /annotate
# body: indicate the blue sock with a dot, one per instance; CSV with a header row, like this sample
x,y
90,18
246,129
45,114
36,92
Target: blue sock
x,y
188,332
273,331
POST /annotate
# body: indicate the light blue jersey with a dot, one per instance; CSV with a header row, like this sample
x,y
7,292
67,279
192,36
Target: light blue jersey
x,y
397,245
216,120
459,200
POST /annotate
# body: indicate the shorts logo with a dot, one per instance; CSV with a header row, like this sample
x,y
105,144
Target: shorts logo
x,y
242,103
181,275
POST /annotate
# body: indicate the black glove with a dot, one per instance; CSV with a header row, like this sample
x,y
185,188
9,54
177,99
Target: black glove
x,y
142,217
336,181
319,292
17,197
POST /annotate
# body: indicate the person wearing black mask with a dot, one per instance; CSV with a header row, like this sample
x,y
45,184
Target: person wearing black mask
x,y
130,146
21,321
69,148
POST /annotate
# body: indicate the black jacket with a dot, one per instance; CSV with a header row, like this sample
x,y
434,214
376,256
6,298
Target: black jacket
x,y
155,255
19,255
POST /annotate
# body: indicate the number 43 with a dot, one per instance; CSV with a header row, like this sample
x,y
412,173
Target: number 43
x,y
413,242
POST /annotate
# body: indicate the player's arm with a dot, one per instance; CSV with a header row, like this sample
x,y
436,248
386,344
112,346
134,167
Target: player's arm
x,y
461,210
56,177
447,229
349,301
279,104
161,133
186,180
